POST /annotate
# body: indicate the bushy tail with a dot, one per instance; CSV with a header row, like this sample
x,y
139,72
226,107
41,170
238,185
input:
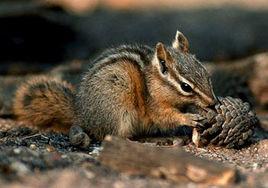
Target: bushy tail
x,y
47,103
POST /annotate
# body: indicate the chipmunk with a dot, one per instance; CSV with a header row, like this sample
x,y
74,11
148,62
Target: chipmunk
x,y
130,90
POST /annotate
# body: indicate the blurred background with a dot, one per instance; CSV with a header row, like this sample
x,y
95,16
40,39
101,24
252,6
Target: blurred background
x,y
37,34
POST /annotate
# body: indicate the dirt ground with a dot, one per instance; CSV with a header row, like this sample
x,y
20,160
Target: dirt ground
x,y
30,158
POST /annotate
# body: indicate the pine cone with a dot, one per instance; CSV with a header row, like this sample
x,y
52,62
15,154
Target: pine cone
x,y
229,125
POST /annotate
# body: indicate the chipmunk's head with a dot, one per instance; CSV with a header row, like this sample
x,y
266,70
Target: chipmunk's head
x,y
180,75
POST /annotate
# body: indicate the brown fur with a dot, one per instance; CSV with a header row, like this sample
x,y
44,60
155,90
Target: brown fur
x,y
45,102
163,103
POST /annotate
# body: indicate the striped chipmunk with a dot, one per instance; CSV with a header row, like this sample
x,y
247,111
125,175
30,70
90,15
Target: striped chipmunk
x,y
130,91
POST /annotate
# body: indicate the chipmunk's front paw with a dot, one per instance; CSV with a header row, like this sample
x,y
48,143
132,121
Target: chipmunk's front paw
x,y
78,137
193,120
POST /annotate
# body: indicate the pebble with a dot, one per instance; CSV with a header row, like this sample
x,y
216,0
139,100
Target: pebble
x,y
33,147
255,166
95,151
50,148
20,168
64,156
178,142
89,174
17,150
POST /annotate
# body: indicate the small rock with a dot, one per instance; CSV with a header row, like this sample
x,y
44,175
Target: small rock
x,y
89,174
33,147
178,142
19,168
95,151
255,166
17,150
50,148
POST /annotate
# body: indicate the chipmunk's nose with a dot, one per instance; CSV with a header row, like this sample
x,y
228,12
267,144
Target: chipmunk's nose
x,y
213,102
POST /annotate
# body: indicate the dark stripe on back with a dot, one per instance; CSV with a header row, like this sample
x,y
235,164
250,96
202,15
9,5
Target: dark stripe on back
x,y
144,52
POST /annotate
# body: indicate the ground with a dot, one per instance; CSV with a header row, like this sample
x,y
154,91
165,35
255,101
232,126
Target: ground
x,y
29,158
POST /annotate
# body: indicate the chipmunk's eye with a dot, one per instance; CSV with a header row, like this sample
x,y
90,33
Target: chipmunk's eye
x,y
163,67
186,87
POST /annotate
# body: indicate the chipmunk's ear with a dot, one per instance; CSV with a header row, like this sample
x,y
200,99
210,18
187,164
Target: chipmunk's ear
x,y
181,42
162,57
161,52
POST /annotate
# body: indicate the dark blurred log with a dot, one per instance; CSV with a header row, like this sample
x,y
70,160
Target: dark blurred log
x,y
29,36
264,123
176,165
18,7
49,34
8,85
71,72
246,79
210,31
22,68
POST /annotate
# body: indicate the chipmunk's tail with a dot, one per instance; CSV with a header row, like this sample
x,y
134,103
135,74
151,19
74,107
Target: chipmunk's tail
x,y
47,103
